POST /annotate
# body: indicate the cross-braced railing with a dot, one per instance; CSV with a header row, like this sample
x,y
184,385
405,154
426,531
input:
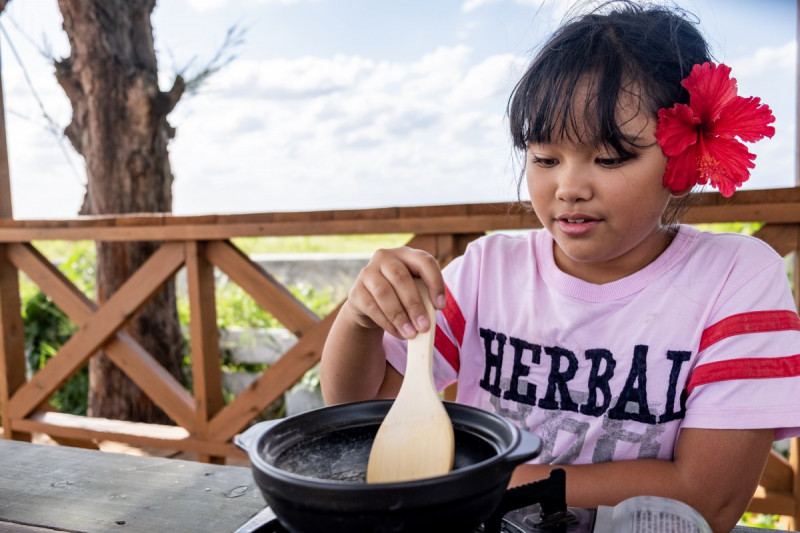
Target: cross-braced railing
x,y
203,423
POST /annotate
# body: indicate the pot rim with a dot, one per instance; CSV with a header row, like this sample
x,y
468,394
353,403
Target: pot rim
x,y
456,476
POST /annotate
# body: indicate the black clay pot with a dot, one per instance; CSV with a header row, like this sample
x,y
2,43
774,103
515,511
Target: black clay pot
x,y
311,470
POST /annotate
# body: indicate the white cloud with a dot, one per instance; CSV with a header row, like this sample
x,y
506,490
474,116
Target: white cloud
x,y
489,79
471,5
767,60
377,134
338,131
769,74
560,5
306,77
210,5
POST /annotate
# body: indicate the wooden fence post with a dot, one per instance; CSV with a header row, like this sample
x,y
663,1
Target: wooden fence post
x,y
12,335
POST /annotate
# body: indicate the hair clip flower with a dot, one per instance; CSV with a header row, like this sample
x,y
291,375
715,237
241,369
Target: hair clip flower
x,y
700,139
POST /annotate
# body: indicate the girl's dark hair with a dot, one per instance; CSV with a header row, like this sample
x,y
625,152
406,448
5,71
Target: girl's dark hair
x,y
573,86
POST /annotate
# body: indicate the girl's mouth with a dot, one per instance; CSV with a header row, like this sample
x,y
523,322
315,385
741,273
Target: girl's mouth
x,y
577,226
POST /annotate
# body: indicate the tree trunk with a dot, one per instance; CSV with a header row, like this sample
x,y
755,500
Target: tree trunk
x,y
119,125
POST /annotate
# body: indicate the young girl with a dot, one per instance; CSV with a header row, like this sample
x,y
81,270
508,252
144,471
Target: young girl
x,y
650,357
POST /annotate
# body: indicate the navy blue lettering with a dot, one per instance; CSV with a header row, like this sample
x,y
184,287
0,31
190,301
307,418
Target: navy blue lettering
x,y
521,370
677,358
635,391
558,380
598,381
494,360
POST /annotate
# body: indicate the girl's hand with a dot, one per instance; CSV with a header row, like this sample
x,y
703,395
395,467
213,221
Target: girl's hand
x,y
384,294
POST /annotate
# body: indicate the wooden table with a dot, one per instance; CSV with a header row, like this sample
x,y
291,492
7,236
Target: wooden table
x,y
71,489
51,489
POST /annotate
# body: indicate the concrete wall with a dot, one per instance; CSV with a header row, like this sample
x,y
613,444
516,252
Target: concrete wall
x,y
321,271
337,271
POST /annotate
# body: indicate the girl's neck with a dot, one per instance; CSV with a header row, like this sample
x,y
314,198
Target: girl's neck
x,y
600,273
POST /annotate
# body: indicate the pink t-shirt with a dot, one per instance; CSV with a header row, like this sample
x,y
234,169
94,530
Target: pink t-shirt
x,y
706,336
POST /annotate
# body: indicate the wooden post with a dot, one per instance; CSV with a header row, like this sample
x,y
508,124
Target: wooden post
x,y
5,174
206,372
12,335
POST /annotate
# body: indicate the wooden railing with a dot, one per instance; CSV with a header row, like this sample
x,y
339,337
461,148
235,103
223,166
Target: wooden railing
x,y
203,424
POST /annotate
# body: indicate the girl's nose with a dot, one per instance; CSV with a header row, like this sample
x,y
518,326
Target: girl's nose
x,y
573,185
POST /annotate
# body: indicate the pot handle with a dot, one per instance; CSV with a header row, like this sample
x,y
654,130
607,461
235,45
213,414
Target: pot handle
x,y
529,447
244,441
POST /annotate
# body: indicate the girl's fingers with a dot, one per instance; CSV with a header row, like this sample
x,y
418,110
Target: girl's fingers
x,y
385,292
413,313
368,312
390,306
431,275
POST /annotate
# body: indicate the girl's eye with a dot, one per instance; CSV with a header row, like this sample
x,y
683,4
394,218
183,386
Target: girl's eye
x,y
543,161
611,162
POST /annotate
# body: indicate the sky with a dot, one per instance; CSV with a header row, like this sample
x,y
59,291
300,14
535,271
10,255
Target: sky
x,y
345,104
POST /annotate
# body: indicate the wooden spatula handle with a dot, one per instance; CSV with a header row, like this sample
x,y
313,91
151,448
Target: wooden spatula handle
x,y
419,364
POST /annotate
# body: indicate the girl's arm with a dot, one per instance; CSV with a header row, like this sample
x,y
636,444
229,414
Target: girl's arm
x,y
384,298
353,363
715,471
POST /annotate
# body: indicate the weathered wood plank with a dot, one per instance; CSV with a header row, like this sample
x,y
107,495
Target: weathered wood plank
x,y
12,341
138,364
70,489
784,238
262,287
93,333
771,205
6,209
783,213
63,425
772,502
204,336
12,527
67,297
273,382
778,474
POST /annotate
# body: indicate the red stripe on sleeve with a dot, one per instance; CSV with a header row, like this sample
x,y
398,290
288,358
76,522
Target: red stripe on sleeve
x,y
455,318
747,368
446,347
754,322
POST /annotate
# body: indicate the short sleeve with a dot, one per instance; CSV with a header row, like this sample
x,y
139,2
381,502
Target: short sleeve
x,y
747,374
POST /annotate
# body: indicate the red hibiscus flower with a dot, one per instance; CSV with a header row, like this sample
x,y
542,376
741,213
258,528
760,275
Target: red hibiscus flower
x,y
701,140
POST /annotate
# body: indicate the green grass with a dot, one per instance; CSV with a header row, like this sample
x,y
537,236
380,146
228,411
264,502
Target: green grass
x,y
763,521
321,244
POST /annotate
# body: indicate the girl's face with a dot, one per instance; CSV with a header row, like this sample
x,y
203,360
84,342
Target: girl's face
x,y
603,211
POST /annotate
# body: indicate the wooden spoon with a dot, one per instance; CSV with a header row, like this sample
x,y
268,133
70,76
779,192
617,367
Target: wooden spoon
x,y
416,438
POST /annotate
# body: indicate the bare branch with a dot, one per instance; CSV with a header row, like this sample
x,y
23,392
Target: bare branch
x,y
168,100
234,37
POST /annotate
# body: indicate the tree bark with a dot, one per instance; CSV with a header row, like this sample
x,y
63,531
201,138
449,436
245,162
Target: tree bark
x,y
119,125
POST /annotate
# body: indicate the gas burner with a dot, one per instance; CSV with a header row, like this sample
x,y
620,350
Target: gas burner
x,y
538,507
525,520
529,520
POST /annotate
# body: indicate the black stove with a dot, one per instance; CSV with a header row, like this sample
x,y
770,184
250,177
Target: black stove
x,y
525,520
538,507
